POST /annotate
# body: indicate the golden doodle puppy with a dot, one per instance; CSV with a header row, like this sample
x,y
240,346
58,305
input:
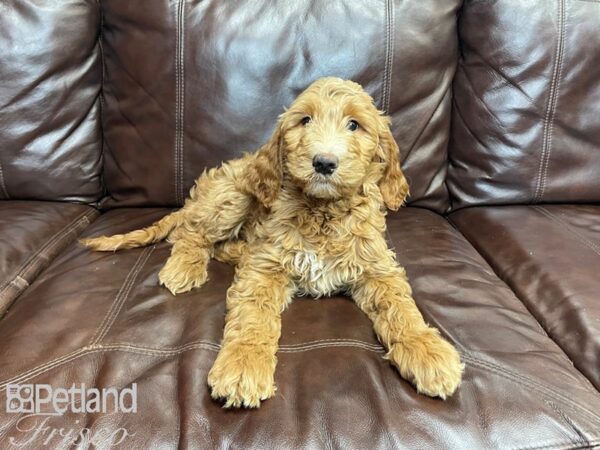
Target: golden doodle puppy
x,y
304,215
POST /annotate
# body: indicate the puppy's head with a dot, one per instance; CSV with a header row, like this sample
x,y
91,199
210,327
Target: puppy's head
x,y
329,142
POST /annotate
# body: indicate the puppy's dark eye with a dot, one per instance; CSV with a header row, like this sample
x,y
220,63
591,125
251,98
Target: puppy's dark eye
x,y
353,125
306,120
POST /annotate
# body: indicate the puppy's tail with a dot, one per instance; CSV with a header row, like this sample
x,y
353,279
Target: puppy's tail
x,y
154,233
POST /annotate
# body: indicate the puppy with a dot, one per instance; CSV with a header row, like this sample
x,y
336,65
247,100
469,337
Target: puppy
x,y
304,215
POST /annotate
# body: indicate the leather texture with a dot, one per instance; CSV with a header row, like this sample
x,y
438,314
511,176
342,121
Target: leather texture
x,y
525,123
190,84
51,72
335,389
549,255
182,85
32,234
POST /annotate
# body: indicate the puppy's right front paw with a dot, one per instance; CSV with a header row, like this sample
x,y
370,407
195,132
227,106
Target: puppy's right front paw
x,y
243,376
178,277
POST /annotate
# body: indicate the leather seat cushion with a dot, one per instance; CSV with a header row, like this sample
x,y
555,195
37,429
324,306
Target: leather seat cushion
x,y
101,319
31,235
549,255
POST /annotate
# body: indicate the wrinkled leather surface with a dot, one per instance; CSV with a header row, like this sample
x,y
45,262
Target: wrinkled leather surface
x,y
550,256
526,103
189,83
192,83
50,72
101,319
31,235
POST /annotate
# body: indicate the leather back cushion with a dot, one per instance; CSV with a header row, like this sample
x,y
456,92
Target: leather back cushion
x,y
50,81
526,125
192,83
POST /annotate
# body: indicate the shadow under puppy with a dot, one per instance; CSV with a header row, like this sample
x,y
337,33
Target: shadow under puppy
x,y
304,215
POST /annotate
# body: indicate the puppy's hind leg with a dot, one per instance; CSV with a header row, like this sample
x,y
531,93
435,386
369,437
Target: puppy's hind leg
x,y
215,212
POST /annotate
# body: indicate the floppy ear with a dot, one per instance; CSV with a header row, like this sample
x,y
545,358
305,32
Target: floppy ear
x,y
393,184
263,175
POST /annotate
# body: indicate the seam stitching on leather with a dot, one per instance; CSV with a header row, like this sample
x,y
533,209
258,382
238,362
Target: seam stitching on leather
x,y
122,296
298,348
581,439
551,107
166,350
72,226
389,56
179,100
176,148
556,98
27,375
532,383
560,446
319,341
289,348
590,244
292,348
182,107
528,382
176,144
215,347
94,348
285,349
119,305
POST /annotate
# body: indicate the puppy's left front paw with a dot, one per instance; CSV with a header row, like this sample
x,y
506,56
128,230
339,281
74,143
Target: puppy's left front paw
x,y
243,375
429,362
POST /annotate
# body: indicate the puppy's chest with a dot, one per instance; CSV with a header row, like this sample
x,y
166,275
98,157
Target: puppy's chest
x,y
319,272
320,253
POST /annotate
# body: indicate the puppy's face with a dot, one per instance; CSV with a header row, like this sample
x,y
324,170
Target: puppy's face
x,y
330,138
329,142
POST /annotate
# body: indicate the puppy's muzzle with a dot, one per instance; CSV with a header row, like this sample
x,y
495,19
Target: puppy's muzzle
x,y
325,163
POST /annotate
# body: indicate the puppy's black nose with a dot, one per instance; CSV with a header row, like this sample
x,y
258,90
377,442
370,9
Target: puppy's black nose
x,y
325,164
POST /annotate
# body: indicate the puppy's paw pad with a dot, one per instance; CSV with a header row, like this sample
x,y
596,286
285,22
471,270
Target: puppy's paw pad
x,y
431,363
242,377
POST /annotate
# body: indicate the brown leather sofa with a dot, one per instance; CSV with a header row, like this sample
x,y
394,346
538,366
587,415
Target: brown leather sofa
x,y
109,109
